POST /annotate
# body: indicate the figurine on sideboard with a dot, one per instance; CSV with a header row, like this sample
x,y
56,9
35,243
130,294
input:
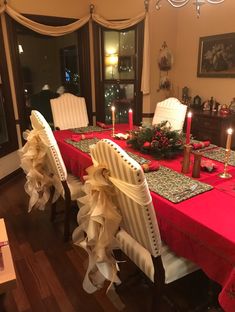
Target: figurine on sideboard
x,y
232,106
206,106
213,105
185,95
224,110
197,102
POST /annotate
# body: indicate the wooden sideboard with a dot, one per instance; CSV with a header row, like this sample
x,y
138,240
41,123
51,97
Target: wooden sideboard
x,y
207,125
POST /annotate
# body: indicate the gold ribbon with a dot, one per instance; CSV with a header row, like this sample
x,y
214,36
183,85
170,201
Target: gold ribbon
x,y
98,221
39,177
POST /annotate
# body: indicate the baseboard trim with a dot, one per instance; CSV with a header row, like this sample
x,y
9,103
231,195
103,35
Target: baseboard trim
x,y
11,176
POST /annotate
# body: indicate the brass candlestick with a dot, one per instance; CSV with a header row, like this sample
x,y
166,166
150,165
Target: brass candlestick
x,y
225,174
113,129
186,159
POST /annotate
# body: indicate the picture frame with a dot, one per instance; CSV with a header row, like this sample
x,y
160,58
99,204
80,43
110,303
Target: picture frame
x,y
216,56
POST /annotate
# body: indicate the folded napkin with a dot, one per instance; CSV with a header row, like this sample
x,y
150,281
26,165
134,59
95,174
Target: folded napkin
x,y
201,144
150,166
79,137
103,125
208,165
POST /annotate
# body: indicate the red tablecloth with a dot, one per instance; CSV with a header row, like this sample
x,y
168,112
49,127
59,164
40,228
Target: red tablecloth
x,y
201,228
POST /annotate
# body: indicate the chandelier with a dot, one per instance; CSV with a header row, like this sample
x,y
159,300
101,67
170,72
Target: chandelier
x,y
181,3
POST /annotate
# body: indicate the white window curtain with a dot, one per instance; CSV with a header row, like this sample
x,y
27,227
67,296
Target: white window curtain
x,y
63,30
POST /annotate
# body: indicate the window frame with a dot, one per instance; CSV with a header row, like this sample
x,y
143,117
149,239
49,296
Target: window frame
x,y
11,144
99,71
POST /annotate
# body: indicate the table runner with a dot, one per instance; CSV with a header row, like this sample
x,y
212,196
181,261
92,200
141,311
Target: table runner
x,y
219,155
174,186
89,129
83,145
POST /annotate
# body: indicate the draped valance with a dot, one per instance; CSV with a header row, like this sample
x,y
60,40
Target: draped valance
x,y
66,29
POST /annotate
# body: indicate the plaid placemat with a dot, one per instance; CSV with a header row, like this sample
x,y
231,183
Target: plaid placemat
x,y
83,145
174,186
140,160
219,155
89,129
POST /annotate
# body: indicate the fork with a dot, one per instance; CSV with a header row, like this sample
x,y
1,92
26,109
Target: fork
x,y
182,193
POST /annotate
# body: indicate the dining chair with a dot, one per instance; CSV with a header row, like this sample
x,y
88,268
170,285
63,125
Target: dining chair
x,y
138,236
171,110
68,186
69,111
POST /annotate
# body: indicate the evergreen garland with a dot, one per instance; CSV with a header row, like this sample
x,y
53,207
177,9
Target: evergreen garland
x,y
158,140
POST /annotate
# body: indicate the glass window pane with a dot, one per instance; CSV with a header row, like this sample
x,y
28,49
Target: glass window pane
x,y
119,54
121,96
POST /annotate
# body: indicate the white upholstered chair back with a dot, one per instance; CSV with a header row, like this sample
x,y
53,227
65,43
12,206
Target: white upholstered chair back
x,y
138,236
139,221
171,110
56,162
69,111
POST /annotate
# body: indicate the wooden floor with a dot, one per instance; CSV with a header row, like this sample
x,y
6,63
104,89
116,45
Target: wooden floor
x,y
50,272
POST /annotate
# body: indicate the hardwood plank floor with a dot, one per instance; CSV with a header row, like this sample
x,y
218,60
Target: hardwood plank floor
x,y
50,272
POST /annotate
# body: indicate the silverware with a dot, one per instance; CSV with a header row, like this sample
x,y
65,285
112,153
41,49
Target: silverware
x,y
186,191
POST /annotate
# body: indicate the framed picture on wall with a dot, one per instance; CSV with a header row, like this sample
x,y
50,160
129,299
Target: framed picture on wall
x,y
216,56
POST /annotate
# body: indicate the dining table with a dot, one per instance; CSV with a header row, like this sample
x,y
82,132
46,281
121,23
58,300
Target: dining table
x,y
200,228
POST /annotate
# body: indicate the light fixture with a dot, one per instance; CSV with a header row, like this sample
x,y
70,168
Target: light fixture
x,y
20,48
181,3
111,60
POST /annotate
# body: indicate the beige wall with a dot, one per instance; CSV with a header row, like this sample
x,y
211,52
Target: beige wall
x,y
214,19
68,8
180,28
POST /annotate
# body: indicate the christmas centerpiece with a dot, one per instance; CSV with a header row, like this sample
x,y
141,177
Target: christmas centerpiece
x,y
158,140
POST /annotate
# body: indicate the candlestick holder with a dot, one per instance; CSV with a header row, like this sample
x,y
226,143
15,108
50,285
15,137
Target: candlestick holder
x,y
197,165
225,174
113,129
186,159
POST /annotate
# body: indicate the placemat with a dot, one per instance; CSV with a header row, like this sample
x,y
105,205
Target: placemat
x,y
174,186
89,129
83,145
219,155
140,160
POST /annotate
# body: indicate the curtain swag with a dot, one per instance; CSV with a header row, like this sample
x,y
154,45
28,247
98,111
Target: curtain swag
x,y
64,30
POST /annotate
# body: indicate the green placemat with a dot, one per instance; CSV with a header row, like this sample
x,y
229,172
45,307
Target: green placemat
x,y
89,129
219,155
140,160
83,145
174,186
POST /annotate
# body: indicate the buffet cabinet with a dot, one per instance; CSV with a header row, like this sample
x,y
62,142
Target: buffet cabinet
x,y
207,125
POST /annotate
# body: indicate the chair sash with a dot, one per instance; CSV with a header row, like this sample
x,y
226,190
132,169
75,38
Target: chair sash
x,y
98,221
39,179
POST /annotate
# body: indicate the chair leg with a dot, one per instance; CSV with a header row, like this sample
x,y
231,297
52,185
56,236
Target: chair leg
x,y
67,219
53,212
